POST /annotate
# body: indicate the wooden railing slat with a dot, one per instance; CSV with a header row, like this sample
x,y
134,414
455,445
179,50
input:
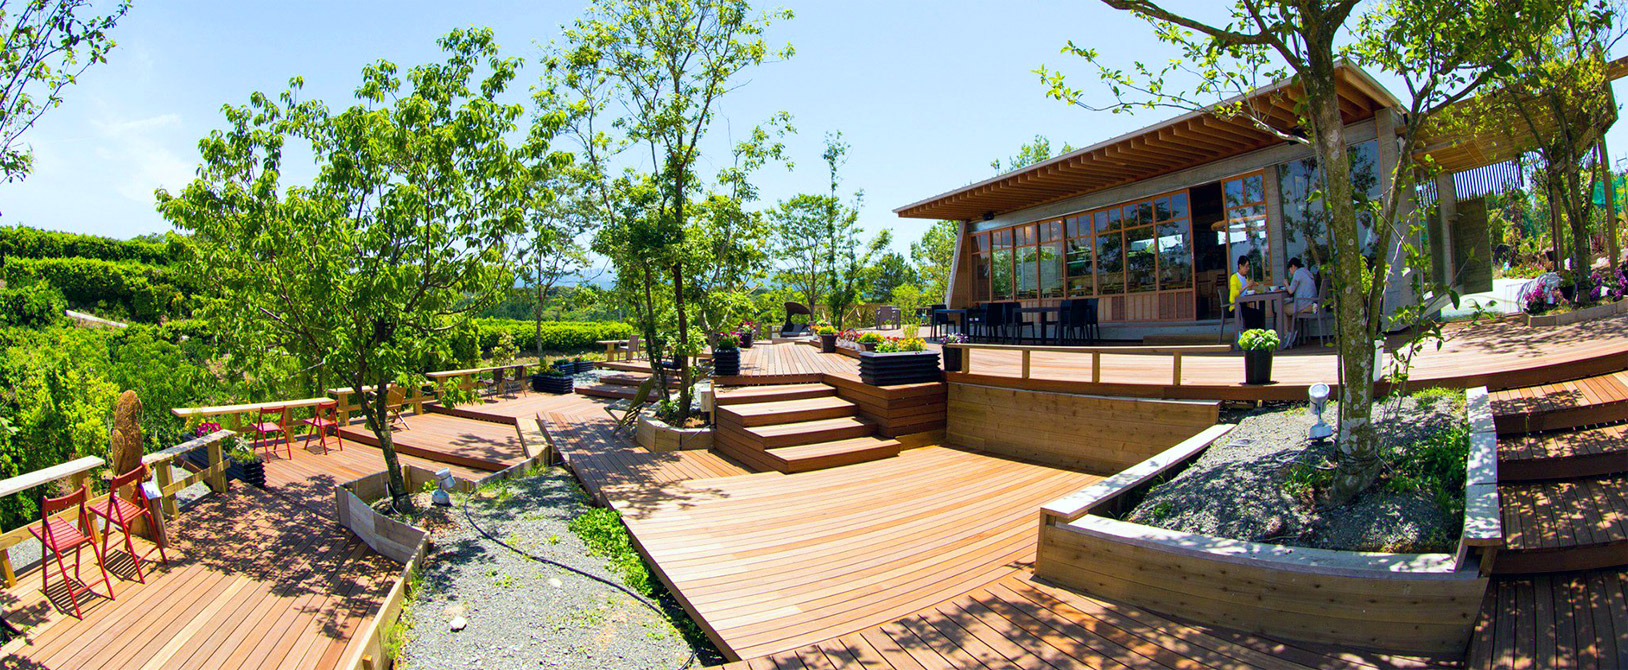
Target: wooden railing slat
x,y
30,480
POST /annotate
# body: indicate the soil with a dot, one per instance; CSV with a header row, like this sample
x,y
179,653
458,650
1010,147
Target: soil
x,y
1253,486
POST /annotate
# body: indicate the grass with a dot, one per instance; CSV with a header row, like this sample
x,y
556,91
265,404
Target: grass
x,y
1434,466
396,636
602,531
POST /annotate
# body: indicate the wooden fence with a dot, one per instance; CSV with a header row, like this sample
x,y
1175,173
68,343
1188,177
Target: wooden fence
x,y
1026,354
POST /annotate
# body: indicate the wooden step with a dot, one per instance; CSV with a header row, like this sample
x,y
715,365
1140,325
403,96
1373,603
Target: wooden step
x,y
1567,620
1590,452
807,432
1558,526
786,411
614,391
821,455
754,394
633,380
624,366
1561,405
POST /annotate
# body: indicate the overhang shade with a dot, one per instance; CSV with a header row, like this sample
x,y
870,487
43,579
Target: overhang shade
x,y
1186,141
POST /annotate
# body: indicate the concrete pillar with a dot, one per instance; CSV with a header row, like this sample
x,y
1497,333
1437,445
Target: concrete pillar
x,y
1442,246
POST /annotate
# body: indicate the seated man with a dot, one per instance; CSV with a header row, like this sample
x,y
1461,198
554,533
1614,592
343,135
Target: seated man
x,y
1302,288
1251,316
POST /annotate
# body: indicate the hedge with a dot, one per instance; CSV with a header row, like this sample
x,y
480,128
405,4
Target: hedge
x,y
557,335
21,242
135,290
34,306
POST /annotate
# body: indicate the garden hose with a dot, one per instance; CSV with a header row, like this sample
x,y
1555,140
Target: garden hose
x,y
654,607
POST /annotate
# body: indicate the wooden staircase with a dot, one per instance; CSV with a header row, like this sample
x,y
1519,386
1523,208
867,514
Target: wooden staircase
x,y
1563,475
620,386
795,428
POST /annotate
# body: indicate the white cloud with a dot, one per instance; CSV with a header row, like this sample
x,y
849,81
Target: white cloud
x,y
138,157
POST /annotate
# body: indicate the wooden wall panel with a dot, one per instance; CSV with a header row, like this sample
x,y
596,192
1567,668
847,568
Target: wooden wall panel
x,y
1098,434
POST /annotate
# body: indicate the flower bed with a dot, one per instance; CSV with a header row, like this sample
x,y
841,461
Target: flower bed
x,y
658,436
1394,602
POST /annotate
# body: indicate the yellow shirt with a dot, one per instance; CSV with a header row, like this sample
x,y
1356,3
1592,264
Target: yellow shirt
x,y
1235,289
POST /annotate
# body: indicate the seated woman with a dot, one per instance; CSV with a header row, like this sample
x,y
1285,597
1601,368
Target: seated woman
x,y
1251,316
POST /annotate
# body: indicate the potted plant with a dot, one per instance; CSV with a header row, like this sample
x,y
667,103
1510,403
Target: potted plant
x,y
243,464
565,365
869,340
747,331
581,364
952,356
828,339
1258,345
726,356
899,361
552,381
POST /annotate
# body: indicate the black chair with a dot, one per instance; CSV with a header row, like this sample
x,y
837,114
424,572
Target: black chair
x,y
794,329
1077,321
1008,321
936,317
976,322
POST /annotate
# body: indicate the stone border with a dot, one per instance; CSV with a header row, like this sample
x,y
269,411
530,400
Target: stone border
x,y
1410,603
657,436
1577,316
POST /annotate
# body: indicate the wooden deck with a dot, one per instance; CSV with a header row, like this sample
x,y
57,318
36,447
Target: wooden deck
x,y
772,562
581,433
1017,622
309,478
1499,355
507,409
1570,620
480,445
255,581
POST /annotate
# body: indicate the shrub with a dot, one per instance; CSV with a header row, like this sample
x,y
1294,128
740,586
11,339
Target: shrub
x,y
34,306
826,330
119,288
871,337
1259,339
21,242
556,335
726,342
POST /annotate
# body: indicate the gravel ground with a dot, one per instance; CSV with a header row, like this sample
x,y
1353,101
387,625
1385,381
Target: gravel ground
x,y
520,613
1241,488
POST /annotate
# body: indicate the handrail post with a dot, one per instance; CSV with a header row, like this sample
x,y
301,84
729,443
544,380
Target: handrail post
x,y
1096,367
966,360
1025,363
218,478
165,478
418,399
1176,373
5,565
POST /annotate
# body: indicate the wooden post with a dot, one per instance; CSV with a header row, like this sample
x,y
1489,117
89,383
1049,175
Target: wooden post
x,y
218,479
342,405
1025,363
966,359
155,507
1602,157
164,477
418,399
1176,375
5,564
1096,367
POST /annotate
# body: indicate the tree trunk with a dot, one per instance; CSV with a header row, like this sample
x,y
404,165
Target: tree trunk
x,y
377,412
1602,160
681,359
1357,459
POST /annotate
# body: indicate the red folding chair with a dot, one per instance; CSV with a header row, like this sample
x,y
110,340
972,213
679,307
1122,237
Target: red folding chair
x,y
124,512
263,429
324,417
57,536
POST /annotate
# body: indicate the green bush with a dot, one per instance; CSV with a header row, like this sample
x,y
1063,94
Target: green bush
x,y
556,335
21,242
108,288
34,306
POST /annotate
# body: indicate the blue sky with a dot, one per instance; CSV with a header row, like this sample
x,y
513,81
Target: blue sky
x,y
927,93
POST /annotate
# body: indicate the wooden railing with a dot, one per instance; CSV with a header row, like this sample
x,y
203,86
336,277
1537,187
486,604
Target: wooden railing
x,y
1175,352
233,414
78,471
350,402
466,379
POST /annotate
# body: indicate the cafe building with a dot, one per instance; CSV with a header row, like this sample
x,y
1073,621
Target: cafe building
x,y
1150,223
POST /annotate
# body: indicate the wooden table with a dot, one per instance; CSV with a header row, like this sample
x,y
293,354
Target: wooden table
x,y
1282,322
610,348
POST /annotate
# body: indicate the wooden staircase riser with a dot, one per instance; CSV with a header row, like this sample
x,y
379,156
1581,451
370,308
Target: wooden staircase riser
x,y
793,392
1570,559
1571,467
727,416
1519,423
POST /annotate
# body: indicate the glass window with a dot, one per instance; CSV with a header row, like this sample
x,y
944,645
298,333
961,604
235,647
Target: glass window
x,y
1113,220
1003,239
1027,271
1161,210
1305,221
1077,225
1144,213
1102,221
1051,270
1079,267
981,242
1141,260
1175,256
982,287
1111,264
1001,277
1178,205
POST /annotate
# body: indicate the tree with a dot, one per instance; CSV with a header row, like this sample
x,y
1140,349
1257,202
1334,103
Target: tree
x,y
889,272
934,255
49,43
1554,96
666,64
1443,52
1029,154
847,259
800,234
375,267
549,250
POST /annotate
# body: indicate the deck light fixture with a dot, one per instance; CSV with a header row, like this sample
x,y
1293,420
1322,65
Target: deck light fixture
x,y
444,484
1319,402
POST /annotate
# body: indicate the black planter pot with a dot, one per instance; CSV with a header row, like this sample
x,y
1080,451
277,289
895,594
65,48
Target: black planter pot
x,y
867,346
252,473
828,344
1258,366
726,362
952,360
746,339
1568,292
904,367
567,366
551,384
583,366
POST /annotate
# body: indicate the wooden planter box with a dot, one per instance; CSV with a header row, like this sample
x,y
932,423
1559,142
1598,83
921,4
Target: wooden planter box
x,y
655,435
551,384
1408,603
253,474
1578,316
903,367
